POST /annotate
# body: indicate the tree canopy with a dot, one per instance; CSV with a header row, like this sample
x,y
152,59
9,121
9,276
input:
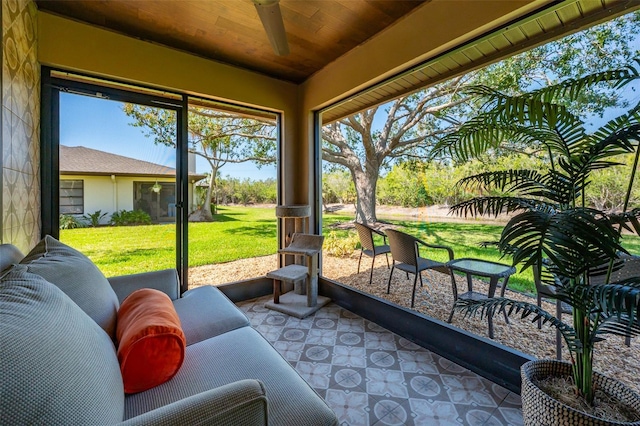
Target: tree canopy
x,y
217,136
370,142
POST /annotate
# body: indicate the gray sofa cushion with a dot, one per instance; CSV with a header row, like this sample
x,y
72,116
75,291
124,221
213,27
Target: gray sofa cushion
x,y
76,275
236,355
58,367
9,254
206,312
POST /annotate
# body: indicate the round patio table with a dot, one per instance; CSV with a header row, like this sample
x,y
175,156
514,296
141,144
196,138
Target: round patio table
x,y
482,268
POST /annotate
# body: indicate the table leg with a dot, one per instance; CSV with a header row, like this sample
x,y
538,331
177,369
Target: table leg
x,y
490,321
469,282
504,287
493,283
277,287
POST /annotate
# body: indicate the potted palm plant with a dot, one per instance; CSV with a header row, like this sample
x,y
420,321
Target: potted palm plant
x,y
553,230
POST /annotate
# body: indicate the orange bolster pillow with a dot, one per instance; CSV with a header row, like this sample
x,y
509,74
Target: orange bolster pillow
x,y
151,342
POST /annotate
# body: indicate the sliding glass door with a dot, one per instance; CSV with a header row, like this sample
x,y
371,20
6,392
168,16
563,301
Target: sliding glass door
x,y
112,173
141,180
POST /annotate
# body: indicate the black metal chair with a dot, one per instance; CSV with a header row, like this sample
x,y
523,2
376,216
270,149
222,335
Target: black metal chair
x,y
405,250
547,291
368,246
630,268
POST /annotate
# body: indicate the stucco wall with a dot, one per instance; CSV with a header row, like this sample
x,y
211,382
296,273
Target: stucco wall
x,y
20,140
110,195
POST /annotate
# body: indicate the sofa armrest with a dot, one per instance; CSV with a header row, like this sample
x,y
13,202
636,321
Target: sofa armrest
x,y
165,281
239,403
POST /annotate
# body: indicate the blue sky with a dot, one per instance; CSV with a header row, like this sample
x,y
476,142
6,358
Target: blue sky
x,y
101,124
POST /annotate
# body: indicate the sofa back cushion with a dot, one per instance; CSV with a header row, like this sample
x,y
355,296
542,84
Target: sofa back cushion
x,y
58,366
9,254
77,276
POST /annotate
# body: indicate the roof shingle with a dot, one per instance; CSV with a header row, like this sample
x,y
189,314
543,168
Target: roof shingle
x,y
82,160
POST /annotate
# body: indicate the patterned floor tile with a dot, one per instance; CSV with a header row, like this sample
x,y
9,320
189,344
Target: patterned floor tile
x,y
370,376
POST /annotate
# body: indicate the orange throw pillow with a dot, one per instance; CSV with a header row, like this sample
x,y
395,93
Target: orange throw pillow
x,y
151,342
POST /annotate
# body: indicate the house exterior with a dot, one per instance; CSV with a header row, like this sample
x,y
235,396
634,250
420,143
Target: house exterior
x,y
92,180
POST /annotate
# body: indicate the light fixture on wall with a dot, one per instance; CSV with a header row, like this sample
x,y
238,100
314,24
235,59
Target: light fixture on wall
x,y
271,17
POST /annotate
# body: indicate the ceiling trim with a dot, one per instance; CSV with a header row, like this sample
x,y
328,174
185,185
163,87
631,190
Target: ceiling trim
x,y
555,21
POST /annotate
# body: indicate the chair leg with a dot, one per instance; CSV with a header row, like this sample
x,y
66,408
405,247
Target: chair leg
x,y
390,273
451,314
413,295
387,256
454,286
359,260
420,275
558,334
539,305
373,261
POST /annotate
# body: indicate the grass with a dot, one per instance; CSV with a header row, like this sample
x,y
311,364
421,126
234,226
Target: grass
x,y
465,239
237,233
245,232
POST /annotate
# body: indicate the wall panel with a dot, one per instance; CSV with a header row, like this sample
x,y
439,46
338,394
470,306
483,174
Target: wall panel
x,y
20,141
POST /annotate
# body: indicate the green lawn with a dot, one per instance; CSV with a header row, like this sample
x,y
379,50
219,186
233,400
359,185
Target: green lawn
x,y
237,233
244,232
465,240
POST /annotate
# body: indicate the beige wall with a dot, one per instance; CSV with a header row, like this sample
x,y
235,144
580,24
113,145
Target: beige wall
x,y
79,47
113,194
20,140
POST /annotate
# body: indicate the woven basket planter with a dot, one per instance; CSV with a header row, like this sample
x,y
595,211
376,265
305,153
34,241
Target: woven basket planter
x,y
540,409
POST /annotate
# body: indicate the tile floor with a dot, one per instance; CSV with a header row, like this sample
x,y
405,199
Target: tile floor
x,y
370,376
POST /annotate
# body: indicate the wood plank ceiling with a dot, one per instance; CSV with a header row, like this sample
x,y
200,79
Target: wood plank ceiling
x,y
230,31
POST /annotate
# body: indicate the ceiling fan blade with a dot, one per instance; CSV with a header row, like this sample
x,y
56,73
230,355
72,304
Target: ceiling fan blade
x,y
269,13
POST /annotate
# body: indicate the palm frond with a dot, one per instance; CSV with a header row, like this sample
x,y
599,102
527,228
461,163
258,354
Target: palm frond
x,y
623,326
501,179
629,220
573,240
620,300
496,305
593,154
492,206
486,131
528,108
528,104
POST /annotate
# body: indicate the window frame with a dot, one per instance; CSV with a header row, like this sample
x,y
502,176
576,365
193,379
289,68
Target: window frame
x,y
81,197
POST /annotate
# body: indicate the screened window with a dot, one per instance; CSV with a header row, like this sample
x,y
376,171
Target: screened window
x,y
71,196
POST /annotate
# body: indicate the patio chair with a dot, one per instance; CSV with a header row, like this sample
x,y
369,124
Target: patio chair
x,y
405,250
368,246
630,268
549,292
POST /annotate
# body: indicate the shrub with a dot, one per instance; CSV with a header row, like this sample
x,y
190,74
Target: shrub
x,y
93,219
340,246
130,218
68,221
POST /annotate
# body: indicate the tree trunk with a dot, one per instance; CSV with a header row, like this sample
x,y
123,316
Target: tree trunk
x,y
366,183
206,206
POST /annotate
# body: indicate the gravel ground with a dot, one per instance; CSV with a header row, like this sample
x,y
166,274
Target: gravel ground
x,y
435,299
